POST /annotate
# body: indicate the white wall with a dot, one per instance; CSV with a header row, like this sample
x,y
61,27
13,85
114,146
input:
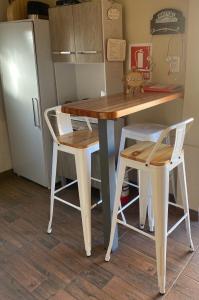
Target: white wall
x,y
3,7
65,82
90,80
191,104
5,161
138,14
137,17
75,82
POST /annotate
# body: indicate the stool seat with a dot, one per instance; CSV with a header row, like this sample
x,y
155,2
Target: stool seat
x,y
79,139
144,131
141,151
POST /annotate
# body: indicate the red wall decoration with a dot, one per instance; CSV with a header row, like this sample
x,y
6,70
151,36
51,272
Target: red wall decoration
x,y
140,59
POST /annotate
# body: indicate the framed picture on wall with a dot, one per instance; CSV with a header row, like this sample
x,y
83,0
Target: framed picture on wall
x,y
140,59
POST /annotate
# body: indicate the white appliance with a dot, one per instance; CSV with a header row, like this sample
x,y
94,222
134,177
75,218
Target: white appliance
x,y
28,82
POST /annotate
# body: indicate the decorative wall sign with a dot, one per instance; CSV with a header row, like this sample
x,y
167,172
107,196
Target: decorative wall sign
x,y
168,21
116,50
113,13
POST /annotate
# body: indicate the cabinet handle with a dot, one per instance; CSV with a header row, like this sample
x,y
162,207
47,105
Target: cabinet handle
x,y
36,112
78,52
87,52
63,52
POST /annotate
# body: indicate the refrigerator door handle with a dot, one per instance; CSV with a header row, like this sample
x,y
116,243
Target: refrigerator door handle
x,y
36,112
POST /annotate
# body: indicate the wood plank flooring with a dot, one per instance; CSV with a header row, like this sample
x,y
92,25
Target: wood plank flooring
x,y
35,265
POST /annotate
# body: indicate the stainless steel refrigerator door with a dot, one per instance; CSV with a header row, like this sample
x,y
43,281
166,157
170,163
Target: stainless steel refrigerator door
x,y
22,102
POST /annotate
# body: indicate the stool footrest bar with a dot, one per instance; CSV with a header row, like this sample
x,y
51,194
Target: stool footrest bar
x,y
128,204
176,205
75,206
95,179
136,229
131,184
96,204
67,203
176,225
65,186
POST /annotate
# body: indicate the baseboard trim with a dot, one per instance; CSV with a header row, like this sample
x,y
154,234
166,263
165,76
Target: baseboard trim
x,y
194,215
6,173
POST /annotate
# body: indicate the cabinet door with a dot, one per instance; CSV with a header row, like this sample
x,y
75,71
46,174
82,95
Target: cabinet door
x,y
62,33
88,32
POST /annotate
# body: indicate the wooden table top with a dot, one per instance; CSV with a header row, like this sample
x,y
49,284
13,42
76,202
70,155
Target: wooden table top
x,y
119,105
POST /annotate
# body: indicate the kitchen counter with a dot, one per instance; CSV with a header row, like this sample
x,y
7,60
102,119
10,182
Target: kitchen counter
x,y
119,105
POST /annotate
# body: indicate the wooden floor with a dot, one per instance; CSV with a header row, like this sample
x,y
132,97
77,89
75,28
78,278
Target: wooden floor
x,y
34,265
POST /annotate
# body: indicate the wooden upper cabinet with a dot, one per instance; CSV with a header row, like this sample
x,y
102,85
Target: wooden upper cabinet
x,y
62,33
76,32
88,32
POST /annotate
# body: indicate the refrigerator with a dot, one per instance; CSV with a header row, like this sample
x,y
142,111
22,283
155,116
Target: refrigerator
x,y
28,83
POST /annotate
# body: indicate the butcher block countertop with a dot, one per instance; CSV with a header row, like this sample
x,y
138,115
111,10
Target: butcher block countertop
x,y
118,105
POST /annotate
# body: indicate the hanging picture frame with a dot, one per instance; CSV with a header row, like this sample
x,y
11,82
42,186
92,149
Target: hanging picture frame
x,y
116,50
113,13
168,21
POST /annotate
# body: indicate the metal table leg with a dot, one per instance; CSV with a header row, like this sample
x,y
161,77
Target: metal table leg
x,y
107,166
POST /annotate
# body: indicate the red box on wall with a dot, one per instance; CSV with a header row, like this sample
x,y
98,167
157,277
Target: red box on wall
x,y
140,59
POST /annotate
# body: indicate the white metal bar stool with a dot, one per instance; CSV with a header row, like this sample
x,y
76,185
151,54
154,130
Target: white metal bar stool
x,y
81,144
142,132
157,160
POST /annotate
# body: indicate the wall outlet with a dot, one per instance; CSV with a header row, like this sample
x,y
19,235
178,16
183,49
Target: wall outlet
x,y
174,64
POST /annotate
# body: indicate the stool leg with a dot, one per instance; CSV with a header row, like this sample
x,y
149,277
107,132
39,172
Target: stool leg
x,y
83,168
172,175
150,207
160,189
119,182
122,214
53,180
173,185
143,196
121,148
184,193
122,142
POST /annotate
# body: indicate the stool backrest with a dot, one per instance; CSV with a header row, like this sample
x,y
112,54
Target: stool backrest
x,y
64,124
63,121
180,131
